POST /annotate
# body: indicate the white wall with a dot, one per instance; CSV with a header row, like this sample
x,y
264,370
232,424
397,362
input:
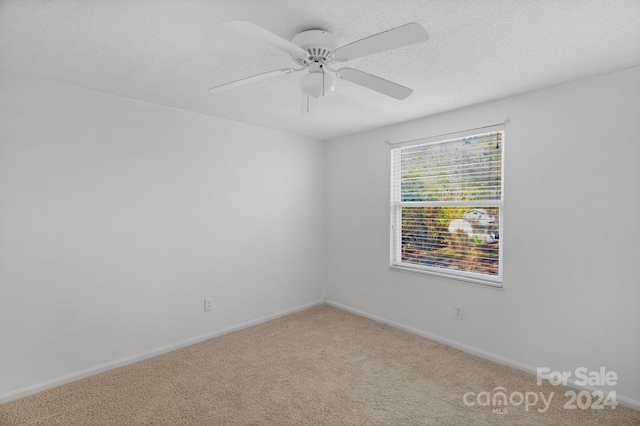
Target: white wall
x,y
118,217
571,293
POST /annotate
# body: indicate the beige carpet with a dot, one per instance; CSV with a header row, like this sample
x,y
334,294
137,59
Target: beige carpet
x,y
322,366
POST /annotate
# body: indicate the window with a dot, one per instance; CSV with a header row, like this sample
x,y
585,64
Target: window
x,y
446,205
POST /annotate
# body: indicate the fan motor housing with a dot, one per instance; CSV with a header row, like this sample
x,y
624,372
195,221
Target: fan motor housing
x,y
318,43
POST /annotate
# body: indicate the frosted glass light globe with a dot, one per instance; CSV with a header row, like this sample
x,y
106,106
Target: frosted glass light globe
x,y
317,84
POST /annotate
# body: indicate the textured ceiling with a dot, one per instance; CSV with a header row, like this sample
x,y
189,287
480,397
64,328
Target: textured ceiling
x,y
170,52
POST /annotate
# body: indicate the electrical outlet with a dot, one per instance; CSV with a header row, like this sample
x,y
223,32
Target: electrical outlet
x,y
208,304
458,312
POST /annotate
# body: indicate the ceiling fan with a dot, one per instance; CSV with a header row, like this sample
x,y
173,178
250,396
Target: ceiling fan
x,y
318,52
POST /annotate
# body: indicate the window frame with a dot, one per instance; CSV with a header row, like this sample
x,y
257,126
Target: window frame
x,y
395,258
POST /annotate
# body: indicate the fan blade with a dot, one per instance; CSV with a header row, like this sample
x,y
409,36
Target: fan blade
x,y
397,37
251,79
309,105
252,30
372,82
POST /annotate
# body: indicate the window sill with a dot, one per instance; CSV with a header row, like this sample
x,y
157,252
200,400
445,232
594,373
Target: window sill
x,y
424,271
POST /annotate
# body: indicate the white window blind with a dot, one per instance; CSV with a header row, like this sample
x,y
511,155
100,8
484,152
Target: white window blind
x,y
446,205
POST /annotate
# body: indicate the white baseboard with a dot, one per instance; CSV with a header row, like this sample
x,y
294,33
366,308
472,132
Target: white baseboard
x,y
621,399
72,377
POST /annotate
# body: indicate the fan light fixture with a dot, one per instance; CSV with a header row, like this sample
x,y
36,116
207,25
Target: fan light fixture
x,y
317,84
